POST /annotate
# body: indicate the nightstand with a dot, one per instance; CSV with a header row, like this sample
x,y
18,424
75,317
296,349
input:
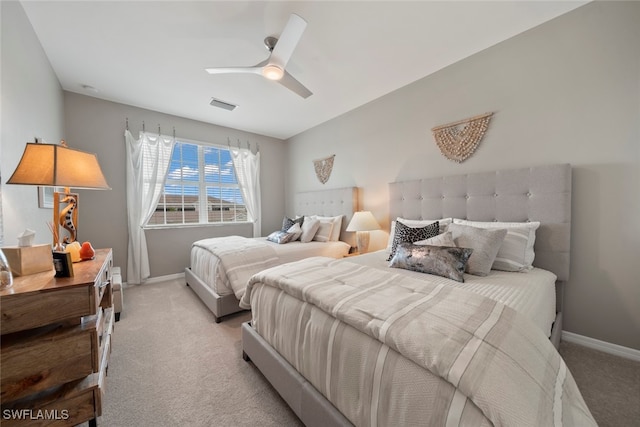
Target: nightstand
x,y
56,341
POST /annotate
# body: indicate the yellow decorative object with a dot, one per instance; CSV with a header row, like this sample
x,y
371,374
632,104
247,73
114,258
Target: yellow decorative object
x,y
74,250
458,140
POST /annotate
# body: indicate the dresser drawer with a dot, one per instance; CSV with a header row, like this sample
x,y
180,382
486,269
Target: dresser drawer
x,y
46,357
18,310
101,377
65,406
105,329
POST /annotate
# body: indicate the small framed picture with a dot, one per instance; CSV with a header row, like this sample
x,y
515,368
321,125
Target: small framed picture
x,y
45,197
62,263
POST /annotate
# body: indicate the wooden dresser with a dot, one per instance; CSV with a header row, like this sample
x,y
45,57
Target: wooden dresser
x,y
55,345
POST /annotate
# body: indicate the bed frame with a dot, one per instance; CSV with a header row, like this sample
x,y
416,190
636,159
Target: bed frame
x,y
538,193
332,202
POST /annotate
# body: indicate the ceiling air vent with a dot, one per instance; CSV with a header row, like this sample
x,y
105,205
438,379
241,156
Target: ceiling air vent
x,y
221,104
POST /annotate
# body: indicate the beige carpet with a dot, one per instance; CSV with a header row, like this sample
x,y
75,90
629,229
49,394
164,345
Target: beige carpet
x,y
172,365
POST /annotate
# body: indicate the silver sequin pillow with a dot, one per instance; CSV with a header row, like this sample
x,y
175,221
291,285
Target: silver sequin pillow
x,y
280,237
407,234
444,261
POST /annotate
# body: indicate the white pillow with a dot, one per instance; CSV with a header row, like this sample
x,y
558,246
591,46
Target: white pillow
x,y
443,239
337,225
516,252
324,231
416,223
296,231
309,229
485,243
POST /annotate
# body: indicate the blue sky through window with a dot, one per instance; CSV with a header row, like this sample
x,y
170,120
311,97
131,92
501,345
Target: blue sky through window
x,y
218,169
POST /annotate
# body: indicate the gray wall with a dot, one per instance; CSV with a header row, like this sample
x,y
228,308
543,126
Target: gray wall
x,y
98,126
566,91
32,106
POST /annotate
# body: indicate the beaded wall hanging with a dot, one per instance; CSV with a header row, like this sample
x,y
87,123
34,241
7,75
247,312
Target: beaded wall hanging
x,y
458,140
323,168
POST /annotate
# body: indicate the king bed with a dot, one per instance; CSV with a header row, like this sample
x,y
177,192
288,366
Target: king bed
x,y
355,342
220,267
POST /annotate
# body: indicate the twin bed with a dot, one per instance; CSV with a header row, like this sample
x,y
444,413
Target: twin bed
x,y
353,341
220,267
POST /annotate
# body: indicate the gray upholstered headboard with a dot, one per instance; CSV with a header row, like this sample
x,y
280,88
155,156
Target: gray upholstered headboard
x,y
332,202
531,194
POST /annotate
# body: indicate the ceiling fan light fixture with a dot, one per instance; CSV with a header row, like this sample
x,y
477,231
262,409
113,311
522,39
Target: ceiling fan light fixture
x,y
272,72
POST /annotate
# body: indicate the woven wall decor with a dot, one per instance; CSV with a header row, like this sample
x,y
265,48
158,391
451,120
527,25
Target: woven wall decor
x,y
458,140
323,168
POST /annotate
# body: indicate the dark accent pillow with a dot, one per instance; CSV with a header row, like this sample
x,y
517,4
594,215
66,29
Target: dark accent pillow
x,y
287,222
406,234
280,237
444,261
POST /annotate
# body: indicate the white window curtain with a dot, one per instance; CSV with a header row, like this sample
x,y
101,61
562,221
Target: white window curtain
x,y
247,167
148,161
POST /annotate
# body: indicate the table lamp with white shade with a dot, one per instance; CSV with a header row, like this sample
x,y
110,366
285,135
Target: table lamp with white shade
x,y
362,222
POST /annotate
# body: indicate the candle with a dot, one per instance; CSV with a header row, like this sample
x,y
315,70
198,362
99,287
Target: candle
x,y
74,250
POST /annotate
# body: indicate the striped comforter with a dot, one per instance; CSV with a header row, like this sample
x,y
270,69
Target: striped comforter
x,y
240,258
388,349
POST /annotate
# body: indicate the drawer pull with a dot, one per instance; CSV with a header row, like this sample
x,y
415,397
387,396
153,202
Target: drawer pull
x,y
103,284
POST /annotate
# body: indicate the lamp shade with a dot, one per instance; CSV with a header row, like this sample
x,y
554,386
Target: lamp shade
x,y
363,221
58,166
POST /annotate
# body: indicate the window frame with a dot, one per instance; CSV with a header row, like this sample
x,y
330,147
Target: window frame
x,y
202,185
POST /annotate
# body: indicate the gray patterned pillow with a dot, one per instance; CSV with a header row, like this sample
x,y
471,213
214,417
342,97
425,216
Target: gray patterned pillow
x,y
444,261
287,222
485,243
406,234
280,237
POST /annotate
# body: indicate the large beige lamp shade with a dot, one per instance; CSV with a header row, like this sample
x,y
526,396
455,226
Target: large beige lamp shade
x,y
58,166
362,222
55,165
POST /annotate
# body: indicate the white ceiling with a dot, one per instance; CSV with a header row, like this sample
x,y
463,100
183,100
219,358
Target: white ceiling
x,y
152,54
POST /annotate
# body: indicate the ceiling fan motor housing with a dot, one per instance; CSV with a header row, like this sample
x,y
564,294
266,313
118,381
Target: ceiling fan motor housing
x,y
270,43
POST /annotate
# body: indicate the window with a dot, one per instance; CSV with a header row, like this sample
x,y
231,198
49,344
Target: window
x,y
201,188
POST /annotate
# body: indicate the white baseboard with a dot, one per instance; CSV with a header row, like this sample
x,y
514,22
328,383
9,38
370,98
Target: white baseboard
x,y
159,279
165,278
605,347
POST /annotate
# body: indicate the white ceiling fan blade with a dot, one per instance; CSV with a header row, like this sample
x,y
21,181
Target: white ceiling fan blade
x,y
292,84
256,69
288,41
230,70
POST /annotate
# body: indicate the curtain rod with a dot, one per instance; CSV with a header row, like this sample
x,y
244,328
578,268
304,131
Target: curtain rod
x,y
144,127
239,145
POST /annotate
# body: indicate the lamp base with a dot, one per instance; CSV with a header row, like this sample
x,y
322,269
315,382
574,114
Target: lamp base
x,y
65,215
362,241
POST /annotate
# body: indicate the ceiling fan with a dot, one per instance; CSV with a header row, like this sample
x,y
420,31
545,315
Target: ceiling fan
x,y
273,68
